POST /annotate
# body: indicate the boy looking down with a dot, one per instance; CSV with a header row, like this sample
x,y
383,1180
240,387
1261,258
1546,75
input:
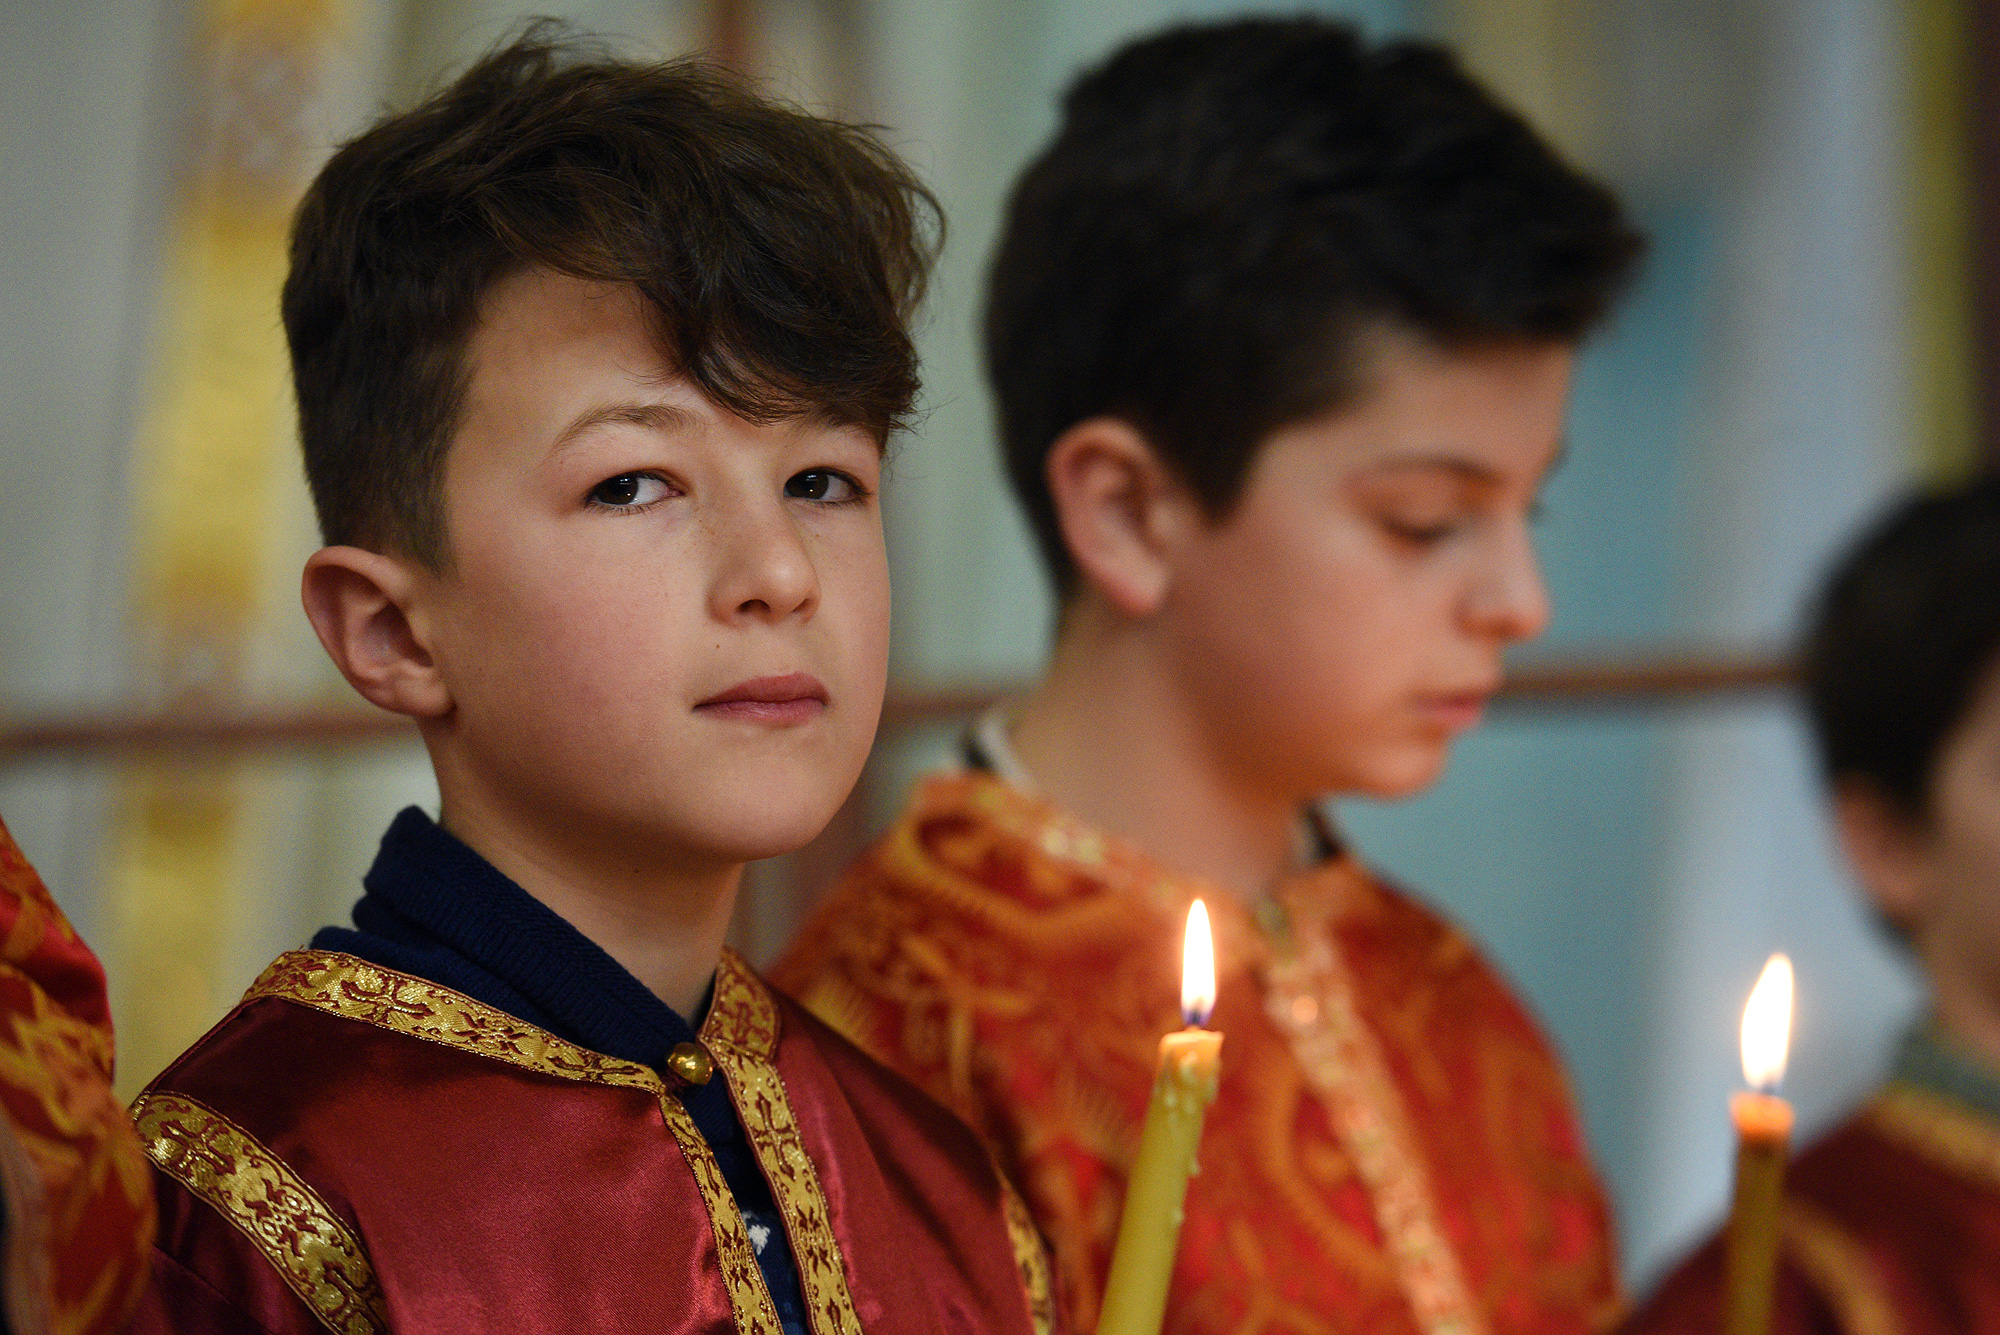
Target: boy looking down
x,y
1280,329
595,362
1891,1221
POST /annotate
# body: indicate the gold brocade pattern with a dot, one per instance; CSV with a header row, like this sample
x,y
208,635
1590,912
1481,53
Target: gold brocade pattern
x,y
356,990
749,1299
315,1253
1840,1268
1310,997
78,1191
1019,966
740,1032
1938,1129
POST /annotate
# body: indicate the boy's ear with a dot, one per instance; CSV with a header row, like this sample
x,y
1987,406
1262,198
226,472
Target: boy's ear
x,y
1886,846
1122,511
362,606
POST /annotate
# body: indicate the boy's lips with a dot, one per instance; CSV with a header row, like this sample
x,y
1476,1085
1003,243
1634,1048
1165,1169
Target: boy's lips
x,y
792,698
1457,710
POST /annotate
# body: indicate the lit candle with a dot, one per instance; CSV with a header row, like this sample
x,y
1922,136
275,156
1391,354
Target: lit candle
x,y
1763,1134
1135,1295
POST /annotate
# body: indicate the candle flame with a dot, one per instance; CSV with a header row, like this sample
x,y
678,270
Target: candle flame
x,y
1767,1025
1197,967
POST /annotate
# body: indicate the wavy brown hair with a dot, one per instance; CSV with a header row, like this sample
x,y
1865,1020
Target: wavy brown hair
x,y
782,255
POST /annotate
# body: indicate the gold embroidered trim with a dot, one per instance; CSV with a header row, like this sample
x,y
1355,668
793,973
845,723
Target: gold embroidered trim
x,y
742,1044
355,990
314,1252
749,1298
1942,1131
743,1013
1840,1267
1310,997
1030,1255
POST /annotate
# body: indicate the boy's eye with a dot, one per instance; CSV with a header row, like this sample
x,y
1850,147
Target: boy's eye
x,y
629,491
822,484
1423,532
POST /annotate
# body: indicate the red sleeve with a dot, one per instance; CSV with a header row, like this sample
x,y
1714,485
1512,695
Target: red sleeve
x,y
211,1279
79,1209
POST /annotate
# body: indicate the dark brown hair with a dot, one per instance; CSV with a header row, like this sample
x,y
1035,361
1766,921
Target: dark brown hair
x,y
1900,640
1228,209
782,255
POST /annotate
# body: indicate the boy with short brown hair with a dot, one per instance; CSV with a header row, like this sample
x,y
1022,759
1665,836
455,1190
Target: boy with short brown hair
x,y
1281,329
595,363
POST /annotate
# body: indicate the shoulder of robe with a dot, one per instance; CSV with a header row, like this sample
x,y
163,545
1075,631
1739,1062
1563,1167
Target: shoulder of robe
x,y
326,1054
1397,943
1903,1197
245,1242
981,882
303,1128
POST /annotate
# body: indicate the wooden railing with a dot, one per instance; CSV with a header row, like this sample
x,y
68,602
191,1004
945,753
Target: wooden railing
x,y
1547,684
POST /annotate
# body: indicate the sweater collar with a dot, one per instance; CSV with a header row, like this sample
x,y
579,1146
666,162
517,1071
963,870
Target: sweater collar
x,y
436,908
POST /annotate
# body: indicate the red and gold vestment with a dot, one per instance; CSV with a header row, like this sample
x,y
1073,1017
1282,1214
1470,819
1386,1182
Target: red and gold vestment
x,y
1890,1226
358,1150
79,1205
1393,1148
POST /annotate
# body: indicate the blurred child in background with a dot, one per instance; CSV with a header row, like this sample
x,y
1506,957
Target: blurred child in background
x,y
1891,1222
1281,330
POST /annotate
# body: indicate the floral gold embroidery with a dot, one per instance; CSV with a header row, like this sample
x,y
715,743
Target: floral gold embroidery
x,y
951,951
352,989
1940,1130
1310,998
742,1034
1840,1267
315,1253
345,986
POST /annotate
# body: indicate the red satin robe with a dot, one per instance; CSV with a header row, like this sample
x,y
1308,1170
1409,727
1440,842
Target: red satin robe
x,y
1393,1148
358,1150
1890,1226
79,1205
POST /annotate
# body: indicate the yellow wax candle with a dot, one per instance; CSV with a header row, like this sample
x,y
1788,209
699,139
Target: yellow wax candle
x,y
1763,1135
1142,1264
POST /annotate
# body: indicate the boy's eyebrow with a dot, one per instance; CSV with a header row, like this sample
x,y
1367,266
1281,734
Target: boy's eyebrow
x,y
649,416
1471,470
1468,469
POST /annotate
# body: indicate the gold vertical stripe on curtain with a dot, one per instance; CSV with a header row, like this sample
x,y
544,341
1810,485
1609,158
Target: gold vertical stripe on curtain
x,y
214,434
1938,216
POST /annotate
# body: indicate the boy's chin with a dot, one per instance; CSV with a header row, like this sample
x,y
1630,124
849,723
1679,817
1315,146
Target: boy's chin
x,y
1397,774
753,831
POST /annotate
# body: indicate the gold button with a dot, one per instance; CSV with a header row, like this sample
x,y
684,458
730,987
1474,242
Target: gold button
x,y
690,1061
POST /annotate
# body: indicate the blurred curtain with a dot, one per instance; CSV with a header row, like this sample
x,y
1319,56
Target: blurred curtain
x,y
193,873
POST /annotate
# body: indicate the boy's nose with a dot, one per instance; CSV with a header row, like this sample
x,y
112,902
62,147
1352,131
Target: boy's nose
x,y
1510,602
764,570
